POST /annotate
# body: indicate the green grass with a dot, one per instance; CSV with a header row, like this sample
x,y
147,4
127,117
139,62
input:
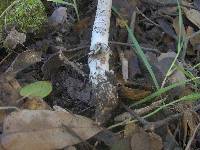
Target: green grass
x,y
139,50
191,97
162,91
188,74
197,66
181,43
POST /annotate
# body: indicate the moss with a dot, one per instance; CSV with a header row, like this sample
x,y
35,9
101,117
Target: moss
x,y
27,15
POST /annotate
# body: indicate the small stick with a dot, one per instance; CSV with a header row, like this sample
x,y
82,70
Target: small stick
x,y
130,45
140,111
147,17
135,115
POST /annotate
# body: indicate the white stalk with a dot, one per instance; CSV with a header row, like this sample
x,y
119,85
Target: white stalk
x,y
99,55
104,91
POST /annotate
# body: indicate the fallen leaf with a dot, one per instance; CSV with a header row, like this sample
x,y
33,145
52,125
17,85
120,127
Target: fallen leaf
x,y
35,104
39,89
58,17
167,27
82,24
14,38
194,40
142,140
130,129
189,122
45,130
123,144
52,65
193,15
24,60
70,148
8,91
132,94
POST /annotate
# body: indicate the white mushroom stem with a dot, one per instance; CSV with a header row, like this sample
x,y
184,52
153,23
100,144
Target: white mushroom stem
x,y
105,92
99,55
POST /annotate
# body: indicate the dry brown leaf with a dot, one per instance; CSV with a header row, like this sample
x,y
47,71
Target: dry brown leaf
x,y
130,129
45,130
24,60
142,140
133,94
123,144
167,27
193,15
8,91
35,104
194,40
190,121
82,24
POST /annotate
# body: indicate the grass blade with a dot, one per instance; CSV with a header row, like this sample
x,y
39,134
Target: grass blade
x,y
191,97
163,90
139,51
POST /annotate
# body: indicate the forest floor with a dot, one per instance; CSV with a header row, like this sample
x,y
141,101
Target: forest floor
x,y
46,97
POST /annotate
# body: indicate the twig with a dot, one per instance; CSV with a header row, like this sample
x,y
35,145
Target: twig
x,y
151,126
130,45
5,58
168,3
149,108
140,111
124,63
72,64
135,115
196,108
147,18
9,107
73,49
192,138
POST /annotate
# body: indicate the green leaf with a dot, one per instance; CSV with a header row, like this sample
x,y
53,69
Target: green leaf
x,y
39,89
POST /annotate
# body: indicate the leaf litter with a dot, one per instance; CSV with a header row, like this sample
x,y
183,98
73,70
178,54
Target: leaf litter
x,y
59,54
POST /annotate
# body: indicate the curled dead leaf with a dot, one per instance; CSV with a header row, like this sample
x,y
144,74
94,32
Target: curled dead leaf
x,y
133,94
